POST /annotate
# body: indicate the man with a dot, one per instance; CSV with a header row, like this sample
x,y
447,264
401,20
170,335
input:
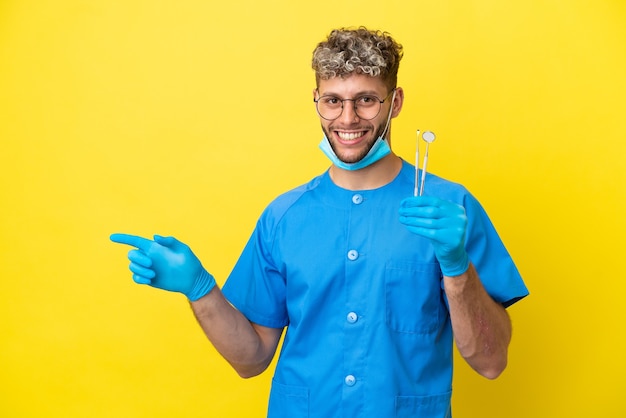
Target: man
x,y
372,284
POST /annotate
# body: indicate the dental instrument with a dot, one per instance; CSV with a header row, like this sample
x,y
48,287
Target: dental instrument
x,y
428,137
417,163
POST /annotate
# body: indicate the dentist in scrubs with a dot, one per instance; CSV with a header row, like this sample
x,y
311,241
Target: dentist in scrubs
x,y
371,285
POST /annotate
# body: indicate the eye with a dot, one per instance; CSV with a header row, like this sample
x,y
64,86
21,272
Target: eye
x,y
366,100
330,101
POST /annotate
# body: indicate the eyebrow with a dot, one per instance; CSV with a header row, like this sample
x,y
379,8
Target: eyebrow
x,y
360,93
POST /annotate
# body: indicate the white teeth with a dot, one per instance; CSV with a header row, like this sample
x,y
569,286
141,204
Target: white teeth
x,y
350,136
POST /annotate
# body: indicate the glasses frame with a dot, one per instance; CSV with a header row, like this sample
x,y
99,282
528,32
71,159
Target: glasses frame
x,y
316,101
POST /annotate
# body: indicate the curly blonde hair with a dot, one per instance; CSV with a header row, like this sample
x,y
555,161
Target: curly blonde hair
x,y
358,51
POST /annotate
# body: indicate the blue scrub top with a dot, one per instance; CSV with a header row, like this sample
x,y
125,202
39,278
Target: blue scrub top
x,y
368,330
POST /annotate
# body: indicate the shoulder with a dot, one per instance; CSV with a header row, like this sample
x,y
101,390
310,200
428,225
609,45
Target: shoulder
x,y
278,207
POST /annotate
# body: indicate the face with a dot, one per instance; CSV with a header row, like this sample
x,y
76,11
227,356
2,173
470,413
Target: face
x,y
350,137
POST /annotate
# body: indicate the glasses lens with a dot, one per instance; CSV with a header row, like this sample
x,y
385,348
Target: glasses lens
x,y
367,107
329,107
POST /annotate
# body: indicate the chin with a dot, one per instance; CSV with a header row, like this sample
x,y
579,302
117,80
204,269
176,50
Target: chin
x,y
351,159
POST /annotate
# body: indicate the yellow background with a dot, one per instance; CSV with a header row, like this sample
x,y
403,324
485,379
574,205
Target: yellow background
x,y
188,117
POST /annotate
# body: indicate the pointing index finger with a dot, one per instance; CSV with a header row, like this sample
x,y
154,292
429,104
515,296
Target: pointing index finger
x,y
134,240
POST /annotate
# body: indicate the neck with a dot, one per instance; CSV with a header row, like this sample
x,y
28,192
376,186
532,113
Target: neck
x,y
379,174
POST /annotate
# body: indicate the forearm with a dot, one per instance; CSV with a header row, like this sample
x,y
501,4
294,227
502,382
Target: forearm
x,y
481,326
247,348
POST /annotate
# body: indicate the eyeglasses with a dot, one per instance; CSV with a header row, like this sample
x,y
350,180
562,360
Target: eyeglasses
x,y
366,106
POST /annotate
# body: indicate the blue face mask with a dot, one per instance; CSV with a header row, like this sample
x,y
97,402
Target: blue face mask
x,y
379,149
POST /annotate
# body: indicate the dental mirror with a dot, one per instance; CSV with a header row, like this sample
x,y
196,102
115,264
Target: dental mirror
x,y
428,137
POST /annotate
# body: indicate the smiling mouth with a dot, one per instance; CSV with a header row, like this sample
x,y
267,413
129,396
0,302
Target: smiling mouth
x,y
350,136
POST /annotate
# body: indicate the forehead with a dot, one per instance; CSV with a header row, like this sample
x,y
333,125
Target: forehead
x,y
352,85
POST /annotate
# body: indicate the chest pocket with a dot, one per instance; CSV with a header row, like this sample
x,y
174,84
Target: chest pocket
x,y
288,401
436,406
413,297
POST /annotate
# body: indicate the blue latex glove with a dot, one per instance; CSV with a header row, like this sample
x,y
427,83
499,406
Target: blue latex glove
x,y
167,264
444,223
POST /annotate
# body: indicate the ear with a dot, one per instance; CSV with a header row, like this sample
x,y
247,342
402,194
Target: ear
x,y
314,92
398,101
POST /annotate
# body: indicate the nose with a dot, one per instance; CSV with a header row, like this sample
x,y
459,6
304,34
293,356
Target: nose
x,y
348,113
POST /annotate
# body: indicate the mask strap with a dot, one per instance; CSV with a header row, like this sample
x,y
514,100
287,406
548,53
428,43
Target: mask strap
x,y
393,98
